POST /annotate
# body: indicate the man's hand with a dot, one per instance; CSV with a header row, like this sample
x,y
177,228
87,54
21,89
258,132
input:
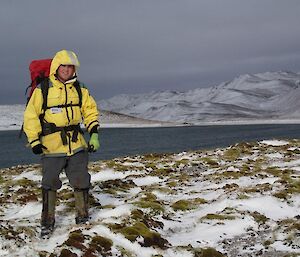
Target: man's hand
x,y
94,143
38,149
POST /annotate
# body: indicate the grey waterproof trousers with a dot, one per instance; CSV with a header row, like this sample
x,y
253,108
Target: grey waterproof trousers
x,y
75,167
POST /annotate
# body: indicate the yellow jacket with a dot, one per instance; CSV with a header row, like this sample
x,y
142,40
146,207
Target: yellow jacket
x,y
60,94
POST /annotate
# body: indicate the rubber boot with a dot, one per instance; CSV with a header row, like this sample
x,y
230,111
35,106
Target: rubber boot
x,y
81,205
48,212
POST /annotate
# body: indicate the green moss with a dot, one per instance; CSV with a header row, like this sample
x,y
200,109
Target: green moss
x,y
291,255
94,202
245,169
207,252
24,182
26,230
212,163
276,172
183,178
101,244
294,187
230,186
113,164
76,239
182,205
183,162
242,196
124,252
258,188
162,172
149,200
110,191
155,206
259,218
43,254
290,225
67,253
172,184
139,215
115,185
24,195
154,157
232,154
140,229
8,232
108,206
267,243
2,180
185,205
65,195
199,201
231,174
281,194
212,216
151,166
163,189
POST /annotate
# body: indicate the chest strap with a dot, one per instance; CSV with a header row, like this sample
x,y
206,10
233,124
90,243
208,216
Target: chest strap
x,y
63,106
50,128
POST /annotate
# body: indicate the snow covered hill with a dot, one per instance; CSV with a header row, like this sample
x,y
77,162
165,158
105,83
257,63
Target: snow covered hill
x,y
272,97
265,96
11,118
242,201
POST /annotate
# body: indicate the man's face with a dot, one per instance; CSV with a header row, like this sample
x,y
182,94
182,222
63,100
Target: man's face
x,y
65,72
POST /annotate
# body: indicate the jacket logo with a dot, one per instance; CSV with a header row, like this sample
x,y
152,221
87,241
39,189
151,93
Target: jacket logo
x,y
55,110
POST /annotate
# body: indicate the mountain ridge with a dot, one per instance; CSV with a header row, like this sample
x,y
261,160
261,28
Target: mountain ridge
x,y
269,95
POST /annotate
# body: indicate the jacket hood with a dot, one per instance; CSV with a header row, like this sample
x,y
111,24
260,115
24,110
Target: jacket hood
x,y
63,57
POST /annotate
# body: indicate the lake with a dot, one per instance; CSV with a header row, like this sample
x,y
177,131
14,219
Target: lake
x,y
116,142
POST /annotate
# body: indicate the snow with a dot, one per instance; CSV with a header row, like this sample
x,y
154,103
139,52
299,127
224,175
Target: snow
x,y
27,211
271,207
274,156
269,97
240,212
275,142
110,174
119,211
146,181
206,234
122,241
279,246
264,98
11,118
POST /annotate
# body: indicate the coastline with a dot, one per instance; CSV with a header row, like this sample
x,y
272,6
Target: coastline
x,y
158,124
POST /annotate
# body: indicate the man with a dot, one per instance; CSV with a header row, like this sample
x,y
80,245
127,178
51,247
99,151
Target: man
x,y
55,134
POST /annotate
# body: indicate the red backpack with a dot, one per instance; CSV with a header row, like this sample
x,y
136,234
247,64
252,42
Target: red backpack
x,y
39,70
39,73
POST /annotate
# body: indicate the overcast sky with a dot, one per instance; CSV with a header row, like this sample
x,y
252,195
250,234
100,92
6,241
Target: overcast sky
x,y
137,46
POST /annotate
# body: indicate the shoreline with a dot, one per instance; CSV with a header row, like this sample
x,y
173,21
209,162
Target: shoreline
x,y
171,125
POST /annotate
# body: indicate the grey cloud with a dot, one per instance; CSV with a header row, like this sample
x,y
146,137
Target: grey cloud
x,y
139,45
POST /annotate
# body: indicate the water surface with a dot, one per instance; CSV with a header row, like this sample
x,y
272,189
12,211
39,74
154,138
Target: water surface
x,y
116,142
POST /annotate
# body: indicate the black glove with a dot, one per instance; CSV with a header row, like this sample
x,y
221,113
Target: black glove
x,y
38,149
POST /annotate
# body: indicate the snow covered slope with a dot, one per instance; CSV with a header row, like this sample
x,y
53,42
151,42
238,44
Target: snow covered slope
x,y
11,118
270,95
242,200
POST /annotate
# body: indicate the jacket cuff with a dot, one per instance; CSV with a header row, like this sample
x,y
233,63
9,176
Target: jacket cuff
x,y
94,129
34,142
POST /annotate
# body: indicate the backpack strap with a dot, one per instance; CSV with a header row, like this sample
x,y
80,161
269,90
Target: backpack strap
x,y
45,88
77,85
